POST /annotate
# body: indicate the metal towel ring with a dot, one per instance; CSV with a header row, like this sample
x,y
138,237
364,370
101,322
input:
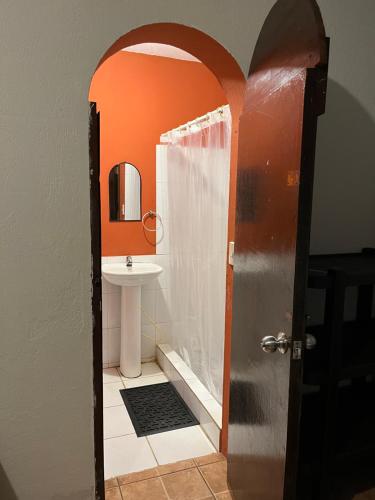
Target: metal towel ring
x,y
152,215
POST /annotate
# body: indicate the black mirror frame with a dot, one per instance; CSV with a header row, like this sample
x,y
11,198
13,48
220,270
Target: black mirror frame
x,y
113,188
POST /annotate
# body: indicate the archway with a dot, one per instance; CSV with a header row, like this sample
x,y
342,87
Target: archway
x,y
229,75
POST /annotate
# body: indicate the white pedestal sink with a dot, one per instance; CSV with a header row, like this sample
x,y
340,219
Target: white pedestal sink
x,y
130,279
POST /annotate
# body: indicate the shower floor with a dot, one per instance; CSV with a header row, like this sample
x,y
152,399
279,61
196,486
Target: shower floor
x,y
126,453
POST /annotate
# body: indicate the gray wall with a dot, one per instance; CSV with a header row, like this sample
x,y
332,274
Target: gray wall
x,y
344,191
49,50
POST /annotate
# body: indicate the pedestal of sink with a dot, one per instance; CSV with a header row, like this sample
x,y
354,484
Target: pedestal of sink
x,y
130,279
130,356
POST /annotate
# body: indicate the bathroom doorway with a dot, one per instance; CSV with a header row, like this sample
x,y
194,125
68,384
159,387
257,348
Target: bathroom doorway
x,y
185,336
282,45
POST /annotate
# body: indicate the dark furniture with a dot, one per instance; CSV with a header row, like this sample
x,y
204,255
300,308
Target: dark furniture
x,y
337,444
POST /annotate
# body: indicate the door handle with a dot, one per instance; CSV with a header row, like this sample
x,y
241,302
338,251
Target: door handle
x,y
271,344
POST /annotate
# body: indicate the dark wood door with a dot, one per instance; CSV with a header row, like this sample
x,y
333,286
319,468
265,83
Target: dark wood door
x,y
285,93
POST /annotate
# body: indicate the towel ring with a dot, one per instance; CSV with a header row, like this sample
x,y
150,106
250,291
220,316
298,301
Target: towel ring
x,y
151,214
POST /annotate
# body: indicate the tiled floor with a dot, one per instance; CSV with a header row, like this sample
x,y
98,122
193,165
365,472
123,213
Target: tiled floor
x,y
126,453
201,478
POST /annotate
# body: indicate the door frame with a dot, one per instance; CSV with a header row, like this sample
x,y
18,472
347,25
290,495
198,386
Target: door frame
x,y
227,71
96,296
231,78
314,106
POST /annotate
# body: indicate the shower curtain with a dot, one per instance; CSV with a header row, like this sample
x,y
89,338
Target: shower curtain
x,y
198,164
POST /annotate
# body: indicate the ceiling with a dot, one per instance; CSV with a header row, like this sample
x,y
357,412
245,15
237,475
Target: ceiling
x,y
161,50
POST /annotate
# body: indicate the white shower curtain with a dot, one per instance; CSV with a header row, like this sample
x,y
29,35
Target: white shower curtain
x,y
198,164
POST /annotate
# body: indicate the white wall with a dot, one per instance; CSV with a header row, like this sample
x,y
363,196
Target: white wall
x,y
49,50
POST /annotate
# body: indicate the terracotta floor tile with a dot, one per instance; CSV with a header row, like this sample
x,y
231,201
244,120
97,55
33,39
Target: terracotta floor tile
x,y
169,468
111,483
144,490
215,476
113,494
133,477
224,496
209,459
186,485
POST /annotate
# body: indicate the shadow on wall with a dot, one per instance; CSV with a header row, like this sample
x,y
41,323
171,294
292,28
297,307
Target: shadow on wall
x,y
344,190
6,490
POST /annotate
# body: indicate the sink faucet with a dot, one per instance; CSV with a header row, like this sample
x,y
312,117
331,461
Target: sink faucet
x,y
129,261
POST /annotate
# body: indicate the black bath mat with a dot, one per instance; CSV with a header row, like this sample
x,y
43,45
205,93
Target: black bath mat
x,y
157,408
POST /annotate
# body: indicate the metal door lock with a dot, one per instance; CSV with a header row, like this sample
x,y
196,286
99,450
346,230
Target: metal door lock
x,y
280,343
310,341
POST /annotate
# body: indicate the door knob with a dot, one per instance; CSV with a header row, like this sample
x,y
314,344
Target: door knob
x,y
272,344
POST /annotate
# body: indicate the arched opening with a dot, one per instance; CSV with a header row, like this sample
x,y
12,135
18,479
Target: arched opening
x,y
228,76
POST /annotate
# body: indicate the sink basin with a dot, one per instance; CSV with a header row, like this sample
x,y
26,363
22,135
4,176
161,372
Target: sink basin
x,y
139,274
130,280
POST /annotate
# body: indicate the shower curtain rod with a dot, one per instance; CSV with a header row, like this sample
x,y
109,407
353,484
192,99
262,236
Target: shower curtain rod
x,y
196,121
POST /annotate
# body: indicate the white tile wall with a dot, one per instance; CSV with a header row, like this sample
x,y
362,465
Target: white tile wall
x,y
155,324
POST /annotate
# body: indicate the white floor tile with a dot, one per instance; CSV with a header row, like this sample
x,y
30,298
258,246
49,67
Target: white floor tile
x,y
181,444
111,375
111,394
127,454
141,381
117,422
151,369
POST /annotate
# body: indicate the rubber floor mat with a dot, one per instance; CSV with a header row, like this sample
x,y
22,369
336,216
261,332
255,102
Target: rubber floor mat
x,y
157,408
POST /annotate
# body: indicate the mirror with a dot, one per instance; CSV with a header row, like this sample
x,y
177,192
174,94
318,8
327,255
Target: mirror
x,y
124,193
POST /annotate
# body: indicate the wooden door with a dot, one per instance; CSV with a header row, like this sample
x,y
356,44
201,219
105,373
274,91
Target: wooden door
x,y
285,93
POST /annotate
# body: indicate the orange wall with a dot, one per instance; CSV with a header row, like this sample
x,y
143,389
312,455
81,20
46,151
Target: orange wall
x,y
139,97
